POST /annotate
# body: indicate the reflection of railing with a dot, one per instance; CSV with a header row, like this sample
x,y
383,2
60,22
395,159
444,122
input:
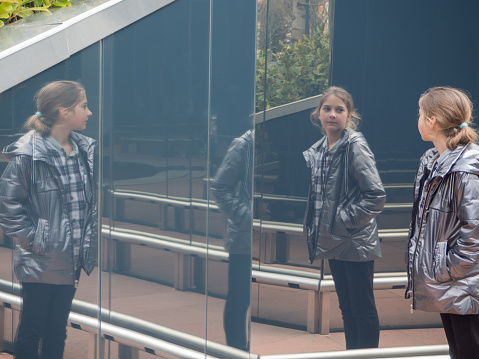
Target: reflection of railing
x,y
132,334
318,290
272,248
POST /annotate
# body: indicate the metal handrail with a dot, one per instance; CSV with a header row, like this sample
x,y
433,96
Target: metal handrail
x,y
176,247
292,228
284,279
376,353
118,334
152,345
197,203
115,321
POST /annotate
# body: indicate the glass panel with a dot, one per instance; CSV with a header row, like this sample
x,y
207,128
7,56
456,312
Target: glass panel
x,y
231,142
155,79
16,105
295,58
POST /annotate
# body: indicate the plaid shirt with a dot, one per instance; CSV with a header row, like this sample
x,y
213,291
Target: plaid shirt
x,y
322,162
73,176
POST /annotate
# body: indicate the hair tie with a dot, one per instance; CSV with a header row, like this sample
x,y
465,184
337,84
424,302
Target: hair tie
x,y
464,124
39,114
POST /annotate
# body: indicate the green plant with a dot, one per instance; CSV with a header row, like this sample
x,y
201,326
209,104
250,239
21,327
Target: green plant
x,y
13,10
298,71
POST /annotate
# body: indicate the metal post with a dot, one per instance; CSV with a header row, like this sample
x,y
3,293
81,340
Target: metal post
x,y
127,352
2,327
313,311
324,312
269,248
93,349
183,280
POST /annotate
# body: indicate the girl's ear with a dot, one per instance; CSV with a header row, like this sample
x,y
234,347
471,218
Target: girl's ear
x,y
433,121
63,113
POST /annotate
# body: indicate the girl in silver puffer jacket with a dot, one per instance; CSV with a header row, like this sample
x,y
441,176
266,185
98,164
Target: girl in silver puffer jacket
x,y
443,245
48,206
345,196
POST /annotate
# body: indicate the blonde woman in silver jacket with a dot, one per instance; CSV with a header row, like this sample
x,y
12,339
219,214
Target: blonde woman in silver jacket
x,y
443,245
48,206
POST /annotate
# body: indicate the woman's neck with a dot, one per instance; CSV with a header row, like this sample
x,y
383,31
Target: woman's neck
x,y
440,142
62,135
333,138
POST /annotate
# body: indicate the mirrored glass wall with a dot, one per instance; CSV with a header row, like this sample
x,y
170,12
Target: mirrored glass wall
x,y
172,97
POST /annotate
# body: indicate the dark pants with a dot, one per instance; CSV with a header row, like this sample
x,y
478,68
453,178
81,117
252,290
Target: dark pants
x,y
43,320
462,333
236,321
354,286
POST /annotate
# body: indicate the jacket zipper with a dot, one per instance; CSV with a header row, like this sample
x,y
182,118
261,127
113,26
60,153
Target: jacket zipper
x,y
424,215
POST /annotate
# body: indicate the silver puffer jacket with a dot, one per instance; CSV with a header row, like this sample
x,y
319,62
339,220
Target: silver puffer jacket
x,y
352,198
33,211
443,245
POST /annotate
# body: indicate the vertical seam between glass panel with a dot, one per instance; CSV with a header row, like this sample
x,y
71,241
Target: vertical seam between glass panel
x,y
265,90
99,195
210,37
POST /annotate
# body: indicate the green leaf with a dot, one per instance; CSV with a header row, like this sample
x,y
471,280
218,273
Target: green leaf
x,y
25,13
6,7
4,15
33,9
10,1
61,3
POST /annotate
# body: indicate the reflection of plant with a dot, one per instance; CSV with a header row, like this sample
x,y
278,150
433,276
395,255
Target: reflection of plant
x,y
264,149
298,71
13,10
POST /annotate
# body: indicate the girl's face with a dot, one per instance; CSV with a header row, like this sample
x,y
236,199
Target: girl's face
x,y
334,115
77,118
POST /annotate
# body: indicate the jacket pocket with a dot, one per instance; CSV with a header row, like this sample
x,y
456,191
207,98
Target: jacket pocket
x,y
46,184
439,265
41,242
339,229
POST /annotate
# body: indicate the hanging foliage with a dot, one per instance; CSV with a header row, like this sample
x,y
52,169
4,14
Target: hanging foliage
x,y
13,10
299,70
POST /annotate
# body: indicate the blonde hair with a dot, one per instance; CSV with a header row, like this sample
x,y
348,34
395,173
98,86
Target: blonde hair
x,y
50,98
451,107
344,96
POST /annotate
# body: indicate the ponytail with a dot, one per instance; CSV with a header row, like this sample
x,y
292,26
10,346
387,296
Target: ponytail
x,y
460,136
43,125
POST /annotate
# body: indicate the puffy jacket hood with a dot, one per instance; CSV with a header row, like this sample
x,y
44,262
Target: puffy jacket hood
x,y
32,144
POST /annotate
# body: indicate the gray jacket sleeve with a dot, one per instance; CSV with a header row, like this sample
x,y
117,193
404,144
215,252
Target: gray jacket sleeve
x,y
372,196
14,193
464,255
229,174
